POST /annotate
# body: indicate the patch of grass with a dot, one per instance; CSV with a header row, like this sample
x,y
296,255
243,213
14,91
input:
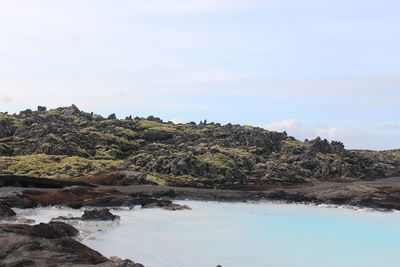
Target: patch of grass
x,y
165,179
14,120
126,133
219,160
233,151
50,166
292,143
248,127
156,179
155,126
110,138
145,124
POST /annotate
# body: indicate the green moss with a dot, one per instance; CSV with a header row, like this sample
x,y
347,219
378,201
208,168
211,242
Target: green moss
x,y
110,138
156,179
331,157
165,179
217,159
292,143
5,149
233,151
56,139
155,126
88,130
145,124
41,165
248,127
126,133
14,120
163,129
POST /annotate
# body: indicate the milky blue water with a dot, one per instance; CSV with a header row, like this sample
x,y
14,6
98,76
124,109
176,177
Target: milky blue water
x,y
239,234
255,235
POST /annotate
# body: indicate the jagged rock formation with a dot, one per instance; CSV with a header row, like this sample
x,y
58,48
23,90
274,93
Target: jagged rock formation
x,y
67,142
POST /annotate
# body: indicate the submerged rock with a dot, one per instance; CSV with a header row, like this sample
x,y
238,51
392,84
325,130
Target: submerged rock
x,y
91,215
176,207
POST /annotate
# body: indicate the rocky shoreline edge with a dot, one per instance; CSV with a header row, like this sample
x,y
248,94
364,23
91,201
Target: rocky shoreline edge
x,y
53,244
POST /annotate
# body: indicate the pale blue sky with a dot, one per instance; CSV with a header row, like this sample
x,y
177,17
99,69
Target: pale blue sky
x,y
328,68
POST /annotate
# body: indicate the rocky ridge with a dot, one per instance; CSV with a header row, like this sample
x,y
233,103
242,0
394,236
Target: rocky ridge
x,y
69,143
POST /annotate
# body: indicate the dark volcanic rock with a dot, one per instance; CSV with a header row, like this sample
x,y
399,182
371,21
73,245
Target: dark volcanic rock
x,y
22,248
6,212
359,194
98,215
75,197
53,230
177,207
208,155
29,181
49,245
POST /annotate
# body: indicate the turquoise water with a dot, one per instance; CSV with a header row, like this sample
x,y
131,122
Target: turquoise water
x,y
239,234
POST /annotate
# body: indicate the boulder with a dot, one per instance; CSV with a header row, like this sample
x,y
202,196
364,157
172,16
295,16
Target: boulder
x,y
98,215
112,117
53,230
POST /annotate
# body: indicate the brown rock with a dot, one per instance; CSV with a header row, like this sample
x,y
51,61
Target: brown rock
x,y
6,212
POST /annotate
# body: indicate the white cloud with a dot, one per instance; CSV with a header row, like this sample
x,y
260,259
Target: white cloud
x,y
333,133
292,126
6,99
178,120
353,138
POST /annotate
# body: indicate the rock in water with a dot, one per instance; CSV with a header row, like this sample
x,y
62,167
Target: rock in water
x,y
6,212
54,230
99,215
177,207
45,245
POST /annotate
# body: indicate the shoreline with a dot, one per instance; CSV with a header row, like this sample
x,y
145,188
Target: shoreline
x,y
381,195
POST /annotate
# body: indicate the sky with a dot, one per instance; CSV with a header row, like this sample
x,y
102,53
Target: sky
x,y
312,68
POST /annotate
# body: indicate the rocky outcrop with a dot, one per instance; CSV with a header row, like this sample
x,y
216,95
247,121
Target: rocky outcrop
x,y
69,143
49,244
77,197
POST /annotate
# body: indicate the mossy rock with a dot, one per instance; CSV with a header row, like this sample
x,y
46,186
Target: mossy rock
x,y
47,166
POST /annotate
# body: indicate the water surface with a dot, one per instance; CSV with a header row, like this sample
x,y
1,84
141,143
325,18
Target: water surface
x,y
240,234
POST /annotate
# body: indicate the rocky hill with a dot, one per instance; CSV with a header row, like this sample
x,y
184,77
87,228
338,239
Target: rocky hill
x,y
69,143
